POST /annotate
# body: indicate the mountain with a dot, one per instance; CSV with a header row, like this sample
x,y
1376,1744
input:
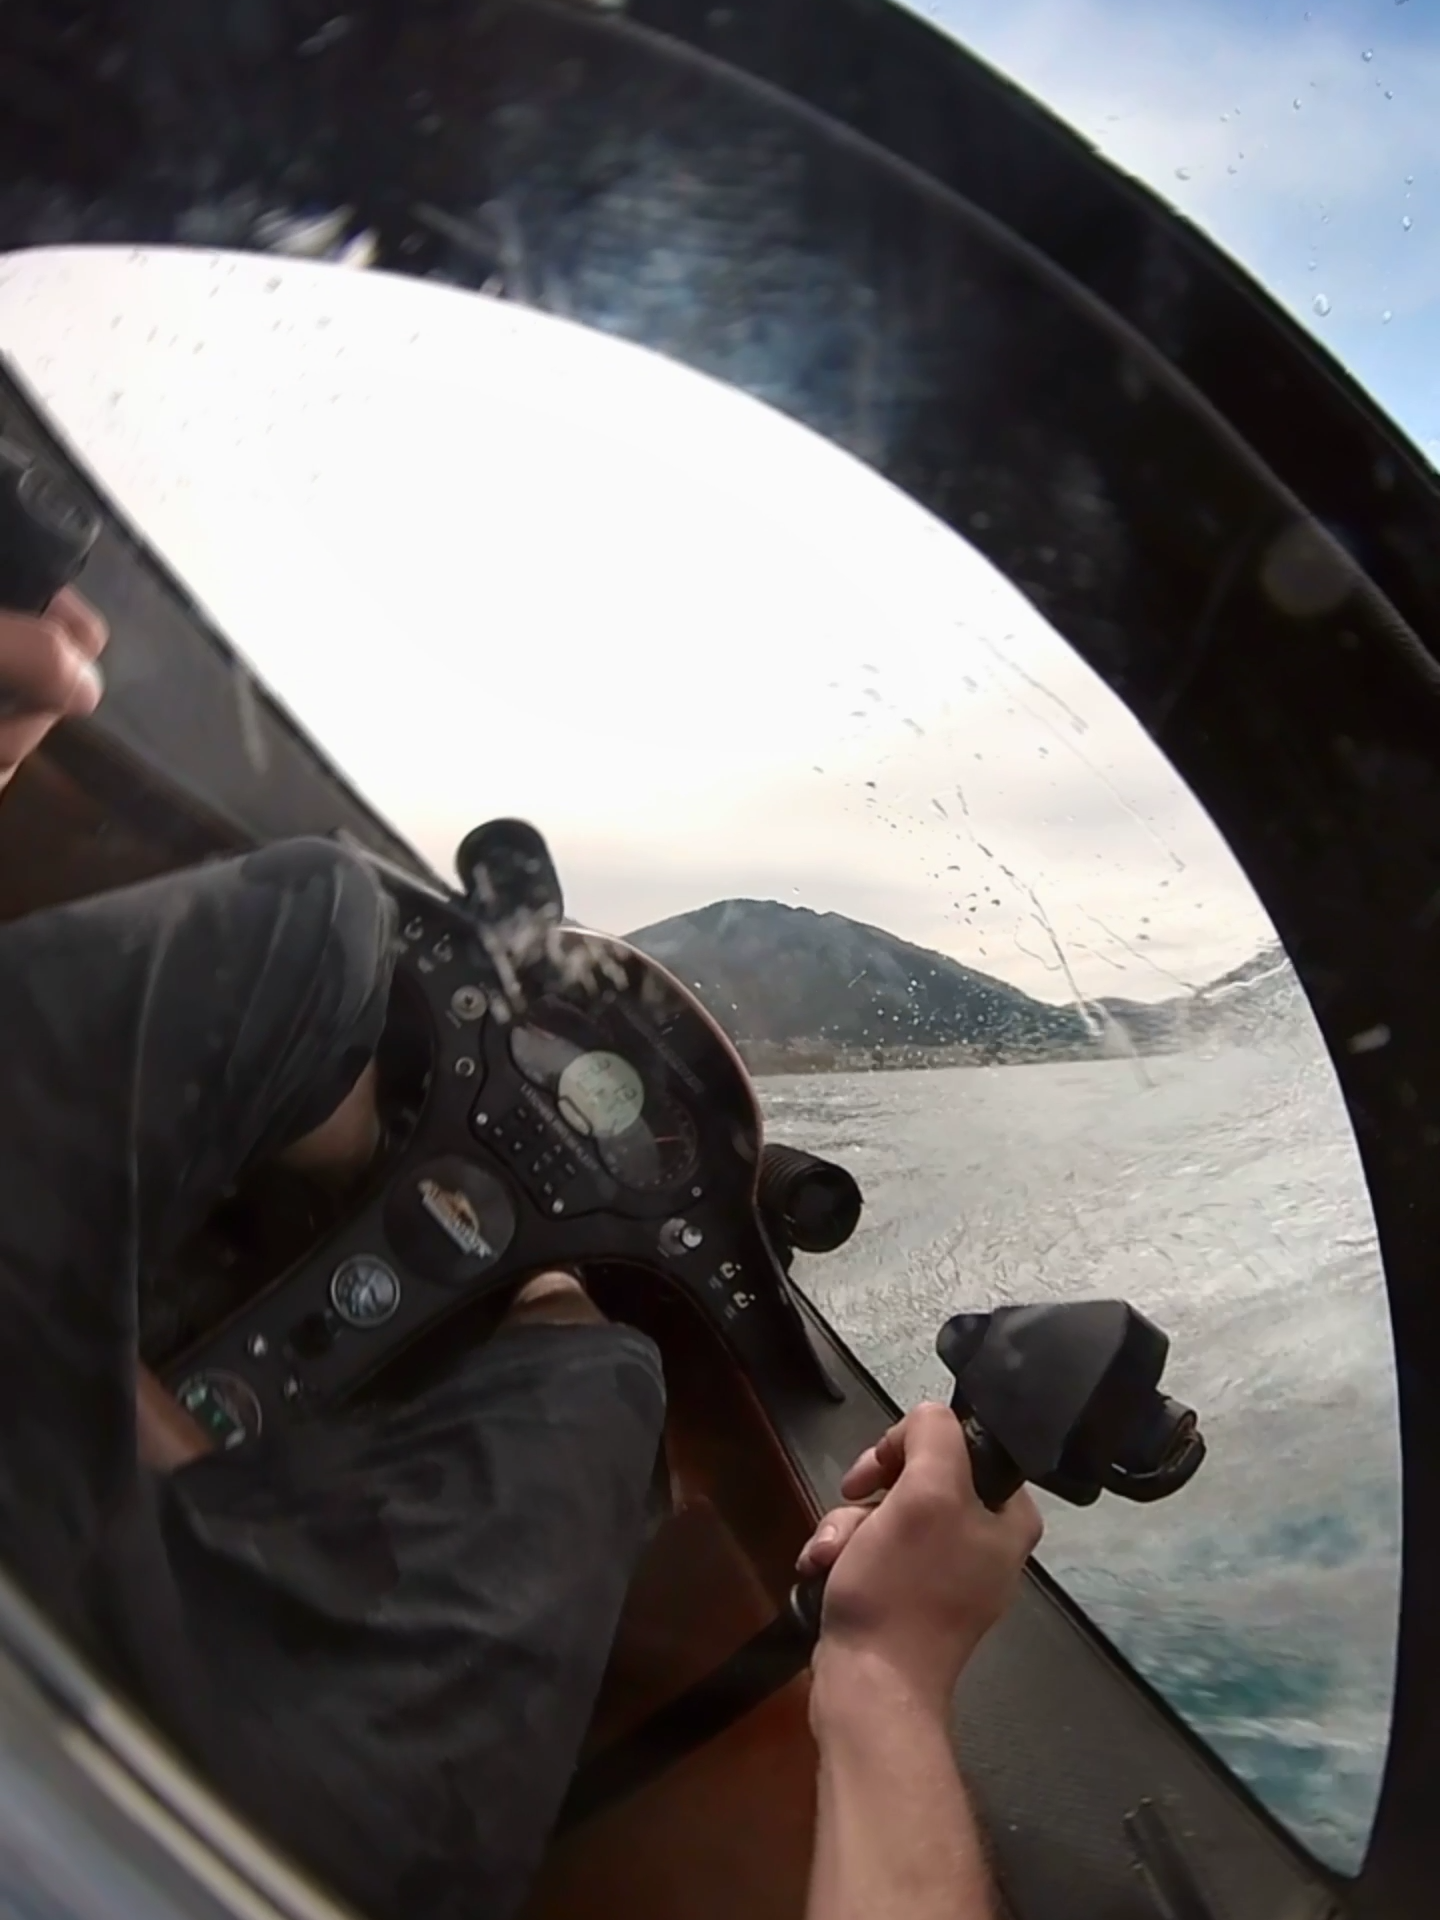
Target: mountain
x,y
780,977
797,989
1246,1004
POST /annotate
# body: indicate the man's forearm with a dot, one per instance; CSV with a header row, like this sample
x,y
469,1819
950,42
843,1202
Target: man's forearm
x,y
895,1835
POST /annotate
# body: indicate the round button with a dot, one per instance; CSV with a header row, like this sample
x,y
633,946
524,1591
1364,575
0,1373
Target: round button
x,y
467,1003
451,1220
364,1291
679,1236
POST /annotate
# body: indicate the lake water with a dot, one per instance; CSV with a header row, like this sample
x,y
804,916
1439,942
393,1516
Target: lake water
x,y
1223,1196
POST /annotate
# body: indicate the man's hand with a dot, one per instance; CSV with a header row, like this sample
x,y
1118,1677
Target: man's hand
x,y
918,1580
48,672
915,1583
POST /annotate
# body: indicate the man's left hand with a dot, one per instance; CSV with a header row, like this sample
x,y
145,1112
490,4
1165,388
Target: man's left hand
x,y
48,672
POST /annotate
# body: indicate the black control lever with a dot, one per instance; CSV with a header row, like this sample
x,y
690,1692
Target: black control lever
x,y
808,1204
506,870
1066,1396
46,532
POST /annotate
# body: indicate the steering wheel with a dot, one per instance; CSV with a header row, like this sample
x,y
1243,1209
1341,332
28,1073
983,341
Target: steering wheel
x,y
582,1107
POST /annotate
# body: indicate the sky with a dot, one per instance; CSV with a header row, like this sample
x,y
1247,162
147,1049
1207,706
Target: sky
x,y
499,564
1304,139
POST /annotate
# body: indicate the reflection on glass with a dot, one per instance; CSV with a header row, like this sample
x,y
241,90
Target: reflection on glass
x,y
976,939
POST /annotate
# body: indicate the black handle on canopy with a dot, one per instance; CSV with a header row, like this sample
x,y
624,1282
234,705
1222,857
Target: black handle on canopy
x,y
1067,1396
46,532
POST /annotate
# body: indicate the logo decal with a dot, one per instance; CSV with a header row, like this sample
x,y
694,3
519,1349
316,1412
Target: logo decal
x,y
455,1216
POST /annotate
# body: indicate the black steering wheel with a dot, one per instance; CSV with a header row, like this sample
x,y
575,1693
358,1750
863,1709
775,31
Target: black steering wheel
x,y
582,1107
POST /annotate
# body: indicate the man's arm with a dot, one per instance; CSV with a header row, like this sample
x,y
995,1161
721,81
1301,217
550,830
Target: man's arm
x,y
914,1584
895,1838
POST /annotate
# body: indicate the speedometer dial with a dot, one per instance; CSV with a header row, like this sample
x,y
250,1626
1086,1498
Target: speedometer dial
x,y
602,1094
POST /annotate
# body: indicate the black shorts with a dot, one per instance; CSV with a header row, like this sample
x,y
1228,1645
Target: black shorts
x,y
381,1635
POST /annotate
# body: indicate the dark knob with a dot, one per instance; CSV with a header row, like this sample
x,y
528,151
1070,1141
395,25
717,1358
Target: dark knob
x,y
46,532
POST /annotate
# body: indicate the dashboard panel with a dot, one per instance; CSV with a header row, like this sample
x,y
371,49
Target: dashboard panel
x,y
582,1107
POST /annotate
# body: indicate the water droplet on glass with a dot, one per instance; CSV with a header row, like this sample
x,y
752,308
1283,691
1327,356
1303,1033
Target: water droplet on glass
x,y
1389,93
1224,118
1321,305
1368,54
1182,173
1295,104
1406,222
1386,317
1409,179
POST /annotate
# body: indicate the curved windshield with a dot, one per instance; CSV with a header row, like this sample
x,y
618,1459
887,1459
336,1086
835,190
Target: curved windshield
x,y
1302,139
974,937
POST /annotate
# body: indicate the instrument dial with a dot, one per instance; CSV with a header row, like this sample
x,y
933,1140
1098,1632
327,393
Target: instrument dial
x,y
600,1094
222,1404
364,1291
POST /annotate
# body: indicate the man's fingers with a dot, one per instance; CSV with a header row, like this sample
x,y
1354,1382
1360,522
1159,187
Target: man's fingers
x,y
878,1468
829,1540
1023,1519
930,1434
17,739
44,671
86,625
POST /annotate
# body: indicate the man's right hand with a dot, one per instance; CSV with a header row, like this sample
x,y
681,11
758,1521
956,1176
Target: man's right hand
x,y
916,1581
915,1584
48,672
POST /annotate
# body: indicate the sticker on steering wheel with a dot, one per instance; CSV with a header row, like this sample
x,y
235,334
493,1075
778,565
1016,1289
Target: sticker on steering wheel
x,y
450,1220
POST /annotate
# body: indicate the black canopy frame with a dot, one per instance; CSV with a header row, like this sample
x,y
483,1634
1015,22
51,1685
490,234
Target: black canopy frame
x,y
830,206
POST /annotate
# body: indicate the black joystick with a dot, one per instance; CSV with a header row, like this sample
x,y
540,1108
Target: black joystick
x,y
506,871
1064,1396
46,532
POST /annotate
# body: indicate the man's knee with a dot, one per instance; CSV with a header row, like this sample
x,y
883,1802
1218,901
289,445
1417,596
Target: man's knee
x,y
338,919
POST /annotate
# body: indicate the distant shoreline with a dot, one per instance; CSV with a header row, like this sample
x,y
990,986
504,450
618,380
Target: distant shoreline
x,y
764,1060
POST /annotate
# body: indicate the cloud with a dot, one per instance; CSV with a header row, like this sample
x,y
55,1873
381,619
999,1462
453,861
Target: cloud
x,y
497,563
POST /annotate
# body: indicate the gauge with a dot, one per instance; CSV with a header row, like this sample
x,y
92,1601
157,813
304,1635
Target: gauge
x,y
223,1405
602,1094
658,1151
364,1292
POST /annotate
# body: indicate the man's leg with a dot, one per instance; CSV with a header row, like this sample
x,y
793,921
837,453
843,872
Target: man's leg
x,y
155,1040
418,1603
339,1150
